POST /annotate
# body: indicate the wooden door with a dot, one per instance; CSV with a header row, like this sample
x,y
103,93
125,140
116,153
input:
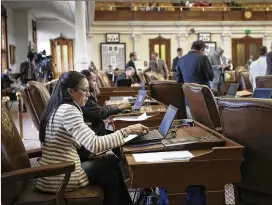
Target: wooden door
x,y
62,55
242,48
162,46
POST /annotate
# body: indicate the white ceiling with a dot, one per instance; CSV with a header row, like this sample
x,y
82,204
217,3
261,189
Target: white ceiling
x,y
46,10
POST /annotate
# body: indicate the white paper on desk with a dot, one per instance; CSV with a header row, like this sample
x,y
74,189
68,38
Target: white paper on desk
x,y
130,137
132,118
163,156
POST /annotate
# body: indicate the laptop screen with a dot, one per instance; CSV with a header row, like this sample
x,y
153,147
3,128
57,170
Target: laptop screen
x,y
233,89
124,83
262,93
140,99
167,120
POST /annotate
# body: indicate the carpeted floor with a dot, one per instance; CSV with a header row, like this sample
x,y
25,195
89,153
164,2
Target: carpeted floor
x,y
31,141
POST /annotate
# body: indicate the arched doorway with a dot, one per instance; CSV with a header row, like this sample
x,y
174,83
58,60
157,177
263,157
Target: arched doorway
x,y
62,55
163,47
242,48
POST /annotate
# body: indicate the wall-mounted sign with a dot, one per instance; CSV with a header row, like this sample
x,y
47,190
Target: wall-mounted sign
x,y
112,37
206,37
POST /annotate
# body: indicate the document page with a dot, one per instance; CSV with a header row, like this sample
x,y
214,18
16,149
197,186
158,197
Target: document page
x,y
163,156
132,118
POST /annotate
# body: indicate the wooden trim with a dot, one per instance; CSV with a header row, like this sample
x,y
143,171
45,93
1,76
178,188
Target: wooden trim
x,y
4,15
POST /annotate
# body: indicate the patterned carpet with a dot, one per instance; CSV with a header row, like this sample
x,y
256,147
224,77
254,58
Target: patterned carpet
x,y
31,141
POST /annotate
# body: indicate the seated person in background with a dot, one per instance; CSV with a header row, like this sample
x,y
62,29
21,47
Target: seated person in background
x,y
128,74
94,113
63,132
110,73
6,84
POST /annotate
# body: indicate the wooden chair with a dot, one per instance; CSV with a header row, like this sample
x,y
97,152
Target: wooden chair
x,y
18,178
203,105
248,122
264,81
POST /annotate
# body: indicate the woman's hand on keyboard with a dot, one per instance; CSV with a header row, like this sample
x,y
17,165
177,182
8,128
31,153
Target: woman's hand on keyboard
x,y
137,129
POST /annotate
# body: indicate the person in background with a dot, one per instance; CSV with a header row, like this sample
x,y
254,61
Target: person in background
x,y
63,132
269,61
6,84
195,67
219,65
258,67
28,72
110,73
94,113
175,60
158,66
250,60
131,63
128,74
92,67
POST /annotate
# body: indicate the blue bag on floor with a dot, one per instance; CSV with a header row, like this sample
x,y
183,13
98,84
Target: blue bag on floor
x,y
195,195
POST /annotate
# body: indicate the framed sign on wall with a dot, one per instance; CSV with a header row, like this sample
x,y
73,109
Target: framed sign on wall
x,y
112,37
113,54
206,37
210,48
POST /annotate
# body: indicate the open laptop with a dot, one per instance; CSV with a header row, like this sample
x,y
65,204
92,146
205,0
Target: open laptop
x,y
233,88
262,93
124,83
139,100
161,133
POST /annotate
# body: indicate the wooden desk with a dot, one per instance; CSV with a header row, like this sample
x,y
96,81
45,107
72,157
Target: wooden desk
x,y
121,89
212,168
103,97
156,111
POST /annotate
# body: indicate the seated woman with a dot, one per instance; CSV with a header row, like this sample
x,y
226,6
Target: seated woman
x,y
94,113
128,74
62,131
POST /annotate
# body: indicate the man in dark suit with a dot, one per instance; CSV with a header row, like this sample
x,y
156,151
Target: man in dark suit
x,y
269,61
195,67
176,59
131,63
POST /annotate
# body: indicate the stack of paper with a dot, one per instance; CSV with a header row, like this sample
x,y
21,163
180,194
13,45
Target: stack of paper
x,y
132,118
163,156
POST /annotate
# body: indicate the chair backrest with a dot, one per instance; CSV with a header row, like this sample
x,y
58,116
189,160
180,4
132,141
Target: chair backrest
x,y
248,122
264,81
152,76
245,82
141,76
230,76
169,92
104,80
35,97
13,153
202,104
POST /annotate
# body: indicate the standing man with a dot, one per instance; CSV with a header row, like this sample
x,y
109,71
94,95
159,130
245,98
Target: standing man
x,y
218,62
175,61
269,61
28,69
258,67
158,66
131,63
195,67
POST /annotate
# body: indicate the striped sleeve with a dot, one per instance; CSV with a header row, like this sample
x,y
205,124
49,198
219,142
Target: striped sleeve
x,y
74,124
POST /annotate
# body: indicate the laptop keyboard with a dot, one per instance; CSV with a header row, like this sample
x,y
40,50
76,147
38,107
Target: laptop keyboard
x,y
152,135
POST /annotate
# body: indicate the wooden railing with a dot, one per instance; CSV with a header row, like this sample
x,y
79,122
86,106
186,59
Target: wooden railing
x,y
204,15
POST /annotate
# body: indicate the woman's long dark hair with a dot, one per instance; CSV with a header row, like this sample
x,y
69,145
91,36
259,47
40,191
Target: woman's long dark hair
x,y
59,96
